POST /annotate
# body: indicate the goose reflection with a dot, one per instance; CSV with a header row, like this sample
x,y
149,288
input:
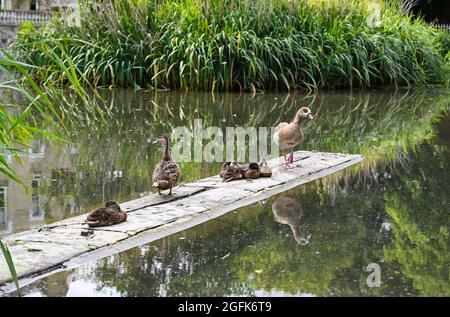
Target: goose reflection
x,y
289,211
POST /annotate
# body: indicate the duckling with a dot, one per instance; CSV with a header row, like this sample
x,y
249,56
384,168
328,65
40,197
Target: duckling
x,y
167,173
252,171
288,211
109,215
264,168
225,167
233,172
289,135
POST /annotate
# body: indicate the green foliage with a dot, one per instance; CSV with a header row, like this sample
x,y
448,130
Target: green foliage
x,y
421,242
239,45
18,128
10,263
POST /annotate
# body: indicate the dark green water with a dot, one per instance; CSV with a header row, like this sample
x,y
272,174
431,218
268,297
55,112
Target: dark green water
x,y
393,209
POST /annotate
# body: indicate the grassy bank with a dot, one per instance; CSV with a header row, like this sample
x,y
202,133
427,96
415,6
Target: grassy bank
x,y
238,45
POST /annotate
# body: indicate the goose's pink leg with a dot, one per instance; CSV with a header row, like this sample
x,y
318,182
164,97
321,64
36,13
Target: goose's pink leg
x,y
291,158
287,161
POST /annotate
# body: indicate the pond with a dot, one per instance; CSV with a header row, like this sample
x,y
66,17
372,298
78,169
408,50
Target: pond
x,y
393,209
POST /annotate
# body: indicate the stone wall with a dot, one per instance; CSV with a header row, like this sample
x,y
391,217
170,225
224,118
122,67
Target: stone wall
x,y
8,34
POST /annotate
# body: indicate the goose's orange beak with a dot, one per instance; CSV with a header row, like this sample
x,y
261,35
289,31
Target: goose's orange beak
x,y
310,116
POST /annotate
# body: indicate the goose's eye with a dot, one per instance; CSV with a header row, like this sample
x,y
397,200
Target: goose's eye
x,y
305,110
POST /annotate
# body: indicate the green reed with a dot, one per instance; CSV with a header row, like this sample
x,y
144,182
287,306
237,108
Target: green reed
x,y
239,45
9,261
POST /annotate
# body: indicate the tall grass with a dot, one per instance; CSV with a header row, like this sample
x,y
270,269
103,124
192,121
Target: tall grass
x,y
18,128
9,261
239,45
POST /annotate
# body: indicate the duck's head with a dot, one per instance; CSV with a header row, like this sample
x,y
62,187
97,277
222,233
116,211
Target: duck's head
x,y
162,139
110,203
305,112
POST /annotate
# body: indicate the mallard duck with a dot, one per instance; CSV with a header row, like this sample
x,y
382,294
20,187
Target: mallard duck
x,y
109,215
251,171
233,172
264,169
167,173
289,135
288,211
225,167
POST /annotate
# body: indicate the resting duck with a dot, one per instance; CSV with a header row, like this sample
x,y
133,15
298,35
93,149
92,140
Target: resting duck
x,y
232,171
289,135
288,211
264,169
109,215
225,168
167,173
252,171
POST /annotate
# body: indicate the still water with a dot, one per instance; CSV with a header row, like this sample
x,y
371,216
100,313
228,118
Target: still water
x,y
315,240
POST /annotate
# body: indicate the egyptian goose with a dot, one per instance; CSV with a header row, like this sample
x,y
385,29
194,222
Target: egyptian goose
x,y
288,211
289,135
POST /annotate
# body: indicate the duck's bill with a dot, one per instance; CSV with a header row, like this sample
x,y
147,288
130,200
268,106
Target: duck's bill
x,y
310,116
154,142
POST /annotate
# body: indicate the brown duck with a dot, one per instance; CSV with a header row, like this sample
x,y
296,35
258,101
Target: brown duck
x,y
109,215
232,171
288,211
167,173
264,168
252,171
289,135
224,169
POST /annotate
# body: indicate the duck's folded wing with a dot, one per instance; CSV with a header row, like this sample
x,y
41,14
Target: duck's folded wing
x,y
171,171
156,172
276,135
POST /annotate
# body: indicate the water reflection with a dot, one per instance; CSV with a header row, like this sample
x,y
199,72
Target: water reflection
x,y
110,157
42,171
399,220
391,210
289,211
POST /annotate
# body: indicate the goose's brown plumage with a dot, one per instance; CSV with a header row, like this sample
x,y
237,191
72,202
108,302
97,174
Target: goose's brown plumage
x,y
167,173
109,215
289,211
289,135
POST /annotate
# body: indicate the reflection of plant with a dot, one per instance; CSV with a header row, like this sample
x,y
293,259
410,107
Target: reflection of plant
x,y
253,252
378,127
421,235
249,251
115,138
